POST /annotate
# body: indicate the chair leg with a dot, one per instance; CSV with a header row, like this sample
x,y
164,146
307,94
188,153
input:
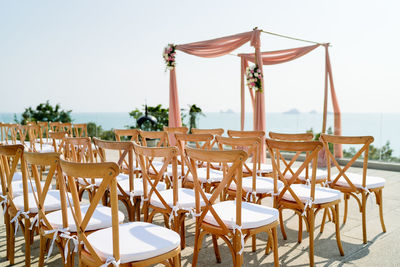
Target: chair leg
x,y
7,223
323,221
253,242
346,206
363,215
275,246
300,232
198,238
336,218
42,250
216,248
177,261
11,255
380,203
183,232
282,225
310,219
137,208
27,234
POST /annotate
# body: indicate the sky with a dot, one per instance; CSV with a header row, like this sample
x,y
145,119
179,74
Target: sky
x,y
106,56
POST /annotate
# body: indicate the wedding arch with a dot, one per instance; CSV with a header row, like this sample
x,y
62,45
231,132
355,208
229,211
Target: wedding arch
x,y
225,45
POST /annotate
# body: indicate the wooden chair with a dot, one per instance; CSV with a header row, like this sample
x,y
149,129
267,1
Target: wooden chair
x,y
58,141
305,200
65,127
44,200
129,135
44,127
130,189
36,141
172,203
263,169
134,243
353,184
215,133
80,130
231,219
173,130
210,178
54,126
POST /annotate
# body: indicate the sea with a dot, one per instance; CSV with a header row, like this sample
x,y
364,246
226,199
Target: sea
x,y
384,127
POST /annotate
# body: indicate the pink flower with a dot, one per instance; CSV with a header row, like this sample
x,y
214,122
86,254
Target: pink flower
x,y
253,84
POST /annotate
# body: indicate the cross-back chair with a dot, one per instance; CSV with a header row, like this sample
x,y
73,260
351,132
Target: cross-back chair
x,y
174,130
80,130
36,141
54,126
58,141
215,132
65,127
173,203
130,189
353,184
306,200
134,243
131,135
230,219
210,178
44,125
263,169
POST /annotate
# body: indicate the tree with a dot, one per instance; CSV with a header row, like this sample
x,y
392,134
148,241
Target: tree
x,y
46,112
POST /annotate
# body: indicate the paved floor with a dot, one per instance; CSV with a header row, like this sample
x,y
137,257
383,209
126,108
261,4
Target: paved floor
x,y
382,249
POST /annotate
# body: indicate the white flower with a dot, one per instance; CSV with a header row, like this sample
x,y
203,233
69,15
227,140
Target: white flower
x,y
255,74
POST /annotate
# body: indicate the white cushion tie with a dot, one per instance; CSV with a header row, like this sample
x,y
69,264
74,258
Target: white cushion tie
x,y
15,219
173,212
4,202
308,204
111,260
75,243
370,194
34,221
252,195
54,232
239,228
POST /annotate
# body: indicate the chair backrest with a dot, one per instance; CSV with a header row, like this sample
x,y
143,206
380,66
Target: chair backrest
x,y
35,134
363,141
128,134
234,133
65,127
160,136
275,148
54,126
12,156
252,147
58,140
106,171
50,162
23,134
78,149
235,158
80,130
173,130
44,125
292,136
169,155
214,132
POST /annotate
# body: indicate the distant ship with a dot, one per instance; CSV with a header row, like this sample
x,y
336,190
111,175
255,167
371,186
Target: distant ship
x,y
292,111
227,111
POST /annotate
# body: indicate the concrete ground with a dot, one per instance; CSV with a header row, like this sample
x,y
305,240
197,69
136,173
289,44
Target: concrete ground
x,y
382,249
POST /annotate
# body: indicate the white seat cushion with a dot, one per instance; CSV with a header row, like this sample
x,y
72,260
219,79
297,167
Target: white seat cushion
x,y
320,175
186,199
17,187
158,165
100,219
137,185
215,175
322,194
137,241
51,203
45,148
265,168
356,179
263,184
253,215
17,176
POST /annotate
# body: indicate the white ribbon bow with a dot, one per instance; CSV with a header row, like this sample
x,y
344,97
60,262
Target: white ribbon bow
x,y
370,194
34,221
309,204
75,242
112,261
252,195
15,219
173,212
239,228
54,232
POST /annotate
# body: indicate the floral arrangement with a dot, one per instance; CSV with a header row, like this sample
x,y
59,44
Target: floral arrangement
x,y
169,56
253,75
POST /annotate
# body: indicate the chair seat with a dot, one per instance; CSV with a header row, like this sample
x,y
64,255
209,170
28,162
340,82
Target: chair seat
x,y
322,194
44,148
321,175
356,179
137,241
253,215
17,187
186,199
158,165
51,203
215,175
100,219
265,168
263,184
137,185
97,181
17,176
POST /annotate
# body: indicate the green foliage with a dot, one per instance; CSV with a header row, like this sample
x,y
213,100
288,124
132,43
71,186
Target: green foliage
x,y
194,113
317,136
94,130
46,112
375,153
160,113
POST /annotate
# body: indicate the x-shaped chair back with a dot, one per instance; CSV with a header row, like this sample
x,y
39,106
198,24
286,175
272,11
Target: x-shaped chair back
x,y
23,134
106,171
78,149
58,141
65,127
260,134
364,141
127,135
231,174
44,126
80,130
276,147
174,130
54,126
169,155
214,132
162,138
10,133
